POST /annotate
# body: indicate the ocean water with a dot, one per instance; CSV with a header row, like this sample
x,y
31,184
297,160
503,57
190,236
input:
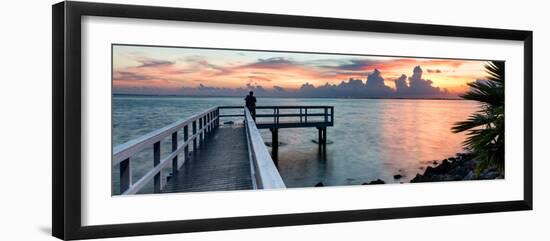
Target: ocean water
x,y
371,138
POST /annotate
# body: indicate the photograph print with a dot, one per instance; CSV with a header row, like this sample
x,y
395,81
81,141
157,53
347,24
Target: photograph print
x,y
191,119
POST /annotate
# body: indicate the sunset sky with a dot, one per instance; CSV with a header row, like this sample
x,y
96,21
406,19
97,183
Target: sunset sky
x,y
168,70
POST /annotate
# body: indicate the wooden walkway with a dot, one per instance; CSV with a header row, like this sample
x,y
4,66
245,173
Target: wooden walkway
x,y
228,158
220,164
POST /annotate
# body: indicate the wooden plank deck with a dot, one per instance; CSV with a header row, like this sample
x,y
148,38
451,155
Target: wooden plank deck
x,y
220,164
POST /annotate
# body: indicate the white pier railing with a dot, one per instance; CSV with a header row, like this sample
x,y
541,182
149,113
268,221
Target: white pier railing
x,y
263,170
195,129
200,124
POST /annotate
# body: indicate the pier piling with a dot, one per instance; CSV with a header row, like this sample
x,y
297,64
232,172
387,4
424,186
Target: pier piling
x,y
275,145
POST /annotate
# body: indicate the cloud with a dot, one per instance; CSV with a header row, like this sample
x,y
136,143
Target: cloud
x,y
258,78
375,80
130,76
270,63
339,68
278,88
436,71
357,64
401,84
199,63
145,63
374,87
417,86
204,90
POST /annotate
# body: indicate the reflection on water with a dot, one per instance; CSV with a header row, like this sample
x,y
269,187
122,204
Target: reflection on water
x,y
371,138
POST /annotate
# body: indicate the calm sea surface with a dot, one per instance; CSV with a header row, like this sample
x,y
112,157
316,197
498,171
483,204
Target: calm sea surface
x,y
370,139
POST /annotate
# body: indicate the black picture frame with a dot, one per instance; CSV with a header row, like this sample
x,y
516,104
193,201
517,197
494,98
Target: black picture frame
x,y
66,158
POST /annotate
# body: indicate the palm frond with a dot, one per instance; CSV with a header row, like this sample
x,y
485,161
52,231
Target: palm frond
x,y
486,91
485,128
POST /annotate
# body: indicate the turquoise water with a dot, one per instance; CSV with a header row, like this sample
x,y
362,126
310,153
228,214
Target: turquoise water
x,y
370,139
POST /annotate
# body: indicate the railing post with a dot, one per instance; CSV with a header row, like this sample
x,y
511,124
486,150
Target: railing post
x,y
300,114
125,175
326,114
185,137
206,125
210,122
201,121
275,145
174,148
324,137
305,109
320,138
194,136
156,161
332,115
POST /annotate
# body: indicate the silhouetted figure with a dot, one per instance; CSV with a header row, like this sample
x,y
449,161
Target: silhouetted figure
x,y
251,104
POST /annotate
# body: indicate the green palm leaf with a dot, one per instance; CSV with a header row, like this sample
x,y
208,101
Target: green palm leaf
x,y
485,128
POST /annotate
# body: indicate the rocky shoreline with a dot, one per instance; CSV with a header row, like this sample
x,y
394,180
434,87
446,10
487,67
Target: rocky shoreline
x,y
459,168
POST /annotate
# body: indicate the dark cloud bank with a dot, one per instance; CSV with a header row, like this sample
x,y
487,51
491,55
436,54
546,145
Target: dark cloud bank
x,y
406,87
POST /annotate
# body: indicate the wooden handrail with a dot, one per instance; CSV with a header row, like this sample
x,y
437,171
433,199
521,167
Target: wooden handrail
x,y
128,149
303,112
230,107
123,153
278,106
289,115
264,172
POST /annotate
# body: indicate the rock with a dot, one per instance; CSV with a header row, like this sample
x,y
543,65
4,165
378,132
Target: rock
x,y
443,168
397,176
489,175
460,167
428,171
416,178
229,122
469,176
320,184
462,171
377,181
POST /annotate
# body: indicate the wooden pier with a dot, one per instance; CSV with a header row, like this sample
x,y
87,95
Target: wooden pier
x,y
214,157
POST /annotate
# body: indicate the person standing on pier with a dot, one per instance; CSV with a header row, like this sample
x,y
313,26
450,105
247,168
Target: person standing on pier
x,y
251,104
